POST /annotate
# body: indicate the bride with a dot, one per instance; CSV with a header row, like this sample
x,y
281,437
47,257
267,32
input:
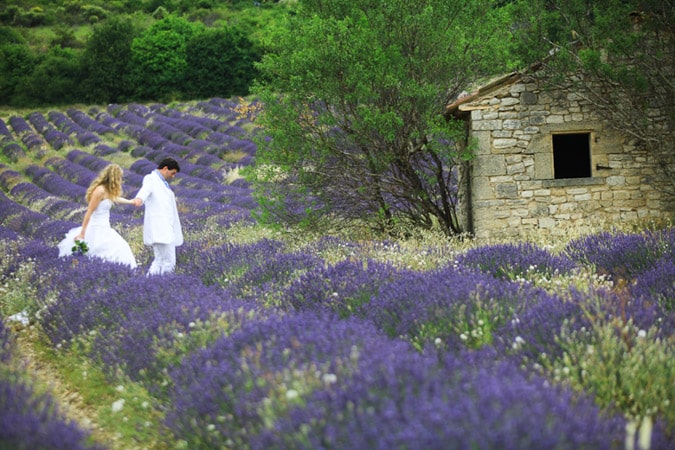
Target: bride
x,y
101,239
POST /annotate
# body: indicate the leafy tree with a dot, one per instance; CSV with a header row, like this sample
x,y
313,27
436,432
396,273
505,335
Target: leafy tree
x,y
106,62
353,96
55,80
622,54
9,35
16,63
219,63
159,58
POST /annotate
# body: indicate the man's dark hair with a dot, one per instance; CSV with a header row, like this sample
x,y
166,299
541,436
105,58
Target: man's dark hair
x,y
170,163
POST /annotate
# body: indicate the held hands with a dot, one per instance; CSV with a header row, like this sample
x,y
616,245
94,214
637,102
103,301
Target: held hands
x,y
136,201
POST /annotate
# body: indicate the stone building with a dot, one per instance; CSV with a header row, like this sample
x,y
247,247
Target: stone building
x,y
545,162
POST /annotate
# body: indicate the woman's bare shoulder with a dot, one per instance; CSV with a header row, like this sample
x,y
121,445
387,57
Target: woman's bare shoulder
x,y
99,192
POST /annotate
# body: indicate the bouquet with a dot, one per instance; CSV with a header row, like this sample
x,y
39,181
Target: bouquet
x,y
80,248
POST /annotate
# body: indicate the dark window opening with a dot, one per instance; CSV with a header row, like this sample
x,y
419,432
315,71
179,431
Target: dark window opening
x,y
572,155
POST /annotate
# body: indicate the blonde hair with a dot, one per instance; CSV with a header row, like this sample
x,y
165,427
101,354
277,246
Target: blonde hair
x,y
111,180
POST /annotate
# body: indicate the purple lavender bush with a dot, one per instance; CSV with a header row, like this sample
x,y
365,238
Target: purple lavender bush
x,y
404,400
449,306
241,384
4,131
533,333
513,261
73,283
19,125
224,264
55,184
139,320
11,149
657,284
266,281
622,255
344,287
30,420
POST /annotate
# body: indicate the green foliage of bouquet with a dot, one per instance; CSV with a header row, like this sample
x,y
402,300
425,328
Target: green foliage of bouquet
x,y
80,248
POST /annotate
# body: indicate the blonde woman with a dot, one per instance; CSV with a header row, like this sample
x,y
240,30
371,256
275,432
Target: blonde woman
x,y
101,239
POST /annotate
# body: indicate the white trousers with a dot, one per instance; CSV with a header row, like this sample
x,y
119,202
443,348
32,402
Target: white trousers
x,y
165,259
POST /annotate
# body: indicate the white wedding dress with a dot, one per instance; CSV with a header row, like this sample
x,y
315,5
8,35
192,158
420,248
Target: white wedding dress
x,y
101,239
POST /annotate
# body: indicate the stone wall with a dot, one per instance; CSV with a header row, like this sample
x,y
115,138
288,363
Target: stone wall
x,y
511,184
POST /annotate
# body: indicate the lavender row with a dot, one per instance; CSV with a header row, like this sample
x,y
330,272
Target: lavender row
x,y
86,122
194,114
195,127
26,222
4,131
22,129
623,255
69,127
209,138
162,147
54,184
28,419
29,194
51,134
139,119
198,191
71,172
56,130
11,149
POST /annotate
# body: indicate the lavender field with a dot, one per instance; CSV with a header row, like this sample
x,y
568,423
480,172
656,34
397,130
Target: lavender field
x,y
278,339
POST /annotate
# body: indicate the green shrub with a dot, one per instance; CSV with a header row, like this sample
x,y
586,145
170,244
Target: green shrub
x,y
623,366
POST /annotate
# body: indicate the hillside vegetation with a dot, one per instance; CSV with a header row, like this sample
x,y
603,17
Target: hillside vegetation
x,y
60,53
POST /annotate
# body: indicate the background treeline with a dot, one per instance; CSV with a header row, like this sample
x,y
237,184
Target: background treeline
x,y
92,51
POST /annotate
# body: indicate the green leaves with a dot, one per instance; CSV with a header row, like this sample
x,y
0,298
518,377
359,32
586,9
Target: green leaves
x,y
80,248
106,61
219,62
354,93
623,366
159,57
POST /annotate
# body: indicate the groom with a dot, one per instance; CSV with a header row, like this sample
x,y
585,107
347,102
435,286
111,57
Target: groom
x,y
161,224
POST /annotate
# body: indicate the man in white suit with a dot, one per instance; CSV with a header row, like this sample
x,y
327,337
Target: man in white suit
x,y
161,224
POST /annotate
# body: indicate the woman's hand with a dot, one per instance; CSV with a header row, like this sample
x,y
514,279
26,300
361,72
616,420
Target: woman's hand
x,y
136,201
